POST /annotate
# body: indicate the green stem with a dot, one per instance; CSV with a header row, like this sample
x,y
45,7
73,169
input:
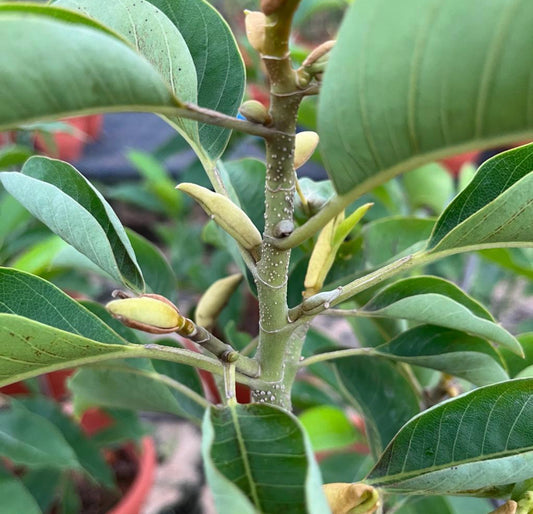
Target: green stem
x,y
337,354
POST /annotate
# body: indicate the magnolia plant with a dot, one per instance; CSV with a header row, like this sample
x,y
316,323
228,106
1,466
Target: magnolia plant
x,y
443,389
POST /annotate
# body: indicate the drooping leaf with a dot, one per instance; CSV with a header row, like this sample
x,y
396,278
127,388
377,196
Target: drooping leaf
x,y
410,82
16,497
495,209
154,37
381,392
29,348
29,439
438,302
138,385
87,453
258,458
122,81
218,62
467,444
447,350
32,297
58,195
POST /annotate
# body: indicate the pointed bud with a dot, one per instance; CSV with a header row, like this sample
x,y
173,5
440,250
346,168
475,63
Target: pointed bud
x,y
304,145
227,215
351,498
318,53
255,22
215,299
150,313
255,112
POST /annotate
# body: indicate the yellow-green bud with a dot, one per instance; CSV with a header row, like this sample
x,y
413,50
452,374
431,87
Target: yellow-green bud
x,y
255,29
351,498
215,299
150,313
227,215
255,112
305,144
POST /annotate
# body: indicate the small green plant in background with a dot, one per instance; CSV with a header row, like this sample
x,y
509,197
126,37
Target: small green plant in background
x,y
443,389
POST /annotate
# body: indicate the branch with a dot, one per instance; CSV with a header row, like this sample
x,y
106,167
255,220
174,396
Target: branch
x,y
338,354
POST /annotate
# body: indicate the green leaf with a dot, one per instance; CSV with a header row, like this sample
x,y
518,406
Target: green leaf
x,y
77,79
328,428
447,350
87,453
138,385
14,155
34,298
218,62
345,467
43,484
381,392
454,81
158,274
438,302
15,497
38,258
465,444
429,187
258,459
154,37
58,195
516,364
518,260
495,209
31,440
29,349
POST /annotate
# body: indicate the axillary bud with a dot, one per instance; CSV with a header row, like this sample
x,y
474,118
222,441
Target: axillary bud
x,y
150,313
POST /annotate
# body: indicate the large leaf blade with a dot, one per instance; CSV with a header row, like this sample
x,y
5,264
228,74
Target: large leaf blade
x,y
58,195
468,443
258,458
35,86
421,80
438,302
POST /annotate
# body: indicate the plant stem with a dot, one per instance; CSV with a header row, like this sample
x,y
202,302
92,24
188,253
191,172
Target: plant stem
x,y
338,354
280,344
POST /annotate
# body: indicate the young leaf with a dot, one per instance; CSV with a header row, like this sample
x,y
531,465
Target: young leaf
x,y
258,459
447,350
438,302
494,210
122,81
58,195
15,497
466,444
218,62
455,81
381,392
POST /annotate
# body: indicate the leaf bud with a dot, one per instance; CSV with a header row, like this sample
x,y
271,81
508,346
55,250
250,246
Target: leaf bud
x,y
318,53
150,313
215,299
305,144
351,498
255,22
255,112
227,215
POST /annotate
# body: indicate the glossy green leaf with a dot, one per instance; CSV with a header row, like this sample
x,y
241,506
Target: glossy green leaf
x,y
16,497
381,392
87,453
57,194
154,37
438,302
466,444
28,349
218,62
413,81
328,427
495,209
447,350
35,86
258,459
29,439
141,385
